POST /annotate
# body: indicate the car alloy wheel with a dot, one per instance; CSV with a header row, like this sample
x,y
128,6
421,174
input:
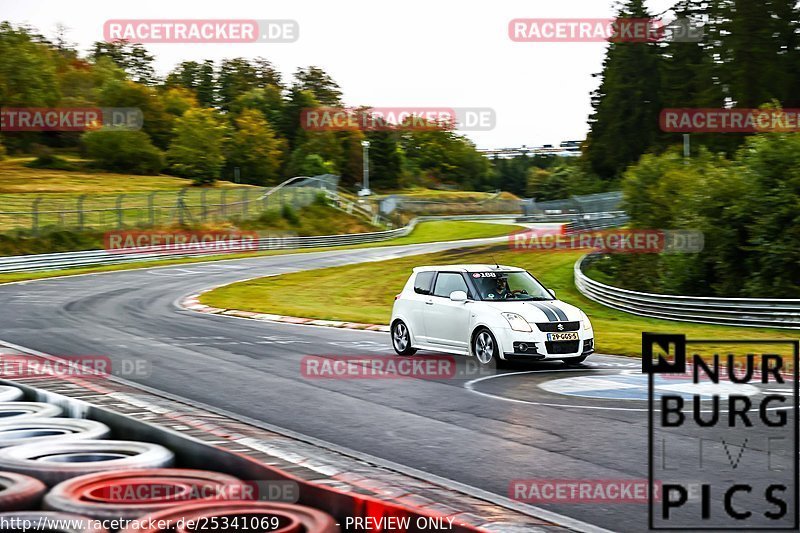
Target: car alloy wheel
x,y
484,347
401,339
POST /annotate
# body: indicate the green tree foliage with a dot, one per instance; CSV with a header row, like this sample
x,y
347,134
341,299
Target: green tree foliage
x,y
2,150
385,159
268,100
158,123
123,151
748,210
196,151
564,178
178,100
626,106
255,149
27,69
239,76
320,84
314,165
445,157
133,58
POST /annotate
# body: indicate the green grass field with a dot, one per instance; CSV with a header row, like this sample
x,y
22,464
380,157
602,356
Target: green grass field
x,y
424,232
365,292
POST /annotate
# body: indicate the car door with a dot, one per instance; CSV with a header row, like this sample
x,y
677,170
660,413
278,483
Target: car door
x,y
446,321
423,285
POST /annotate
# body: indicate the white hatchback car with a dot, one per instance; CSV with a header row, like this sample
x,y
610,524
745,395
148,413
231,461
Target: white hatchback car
x,y
496,313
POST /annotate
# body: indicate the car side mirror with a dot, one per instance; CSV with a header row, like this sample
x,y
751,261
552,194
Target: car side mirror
x,y
458,296
552,292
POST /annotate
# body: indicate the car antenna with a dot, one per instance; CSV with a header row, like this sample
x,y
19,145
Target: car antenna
x,y
495,262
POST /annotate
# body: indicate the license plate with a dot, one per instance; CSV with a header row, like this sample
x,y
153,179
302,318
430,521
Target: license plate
x,y
571,336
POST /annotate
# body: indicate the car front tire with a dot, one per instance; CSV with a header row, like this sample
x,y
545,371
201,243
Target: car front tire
x,y
401,339
485,348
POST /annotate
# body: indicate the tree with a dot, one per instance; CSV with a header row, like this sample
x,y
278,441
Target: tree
x,y
27,69
239,76
158,123
178,100
268,100
133,58
385,159
255,149
2,150
197,150
320,84
624,123
125,151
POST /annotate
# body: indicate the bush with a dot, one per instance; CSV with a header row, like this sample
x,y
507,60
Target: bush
x,y
2,150
125,151
47,159
290,215
196,151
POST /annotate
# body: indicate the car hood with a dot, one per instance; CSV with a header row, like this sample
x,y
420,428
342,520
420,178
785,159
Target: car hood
x,y
539,311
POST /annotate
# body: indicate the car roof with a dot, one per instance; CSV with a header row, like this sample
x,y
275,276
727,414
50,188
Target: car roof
x,y
468,268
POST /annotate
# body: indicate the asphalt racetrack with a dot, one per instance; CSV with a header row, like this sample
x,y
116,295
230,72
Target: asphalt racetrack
x,y
540,421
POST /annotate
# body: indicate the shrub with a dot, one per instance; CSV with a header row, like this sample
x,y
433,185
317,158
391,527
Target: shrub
x,y
123,151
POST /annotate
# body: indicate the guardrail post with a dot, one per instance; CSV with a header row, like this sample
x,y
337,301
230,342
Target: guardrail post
x,y
79,209
181,205
151,211
35,215
203,205
120,213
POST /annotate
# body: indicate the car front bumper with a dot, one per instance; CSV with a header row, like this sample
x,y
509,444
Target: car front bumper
x,y
534,346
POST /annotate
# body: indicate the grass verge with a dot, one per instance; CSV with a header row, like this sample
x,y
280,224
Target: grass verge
x,y
365,292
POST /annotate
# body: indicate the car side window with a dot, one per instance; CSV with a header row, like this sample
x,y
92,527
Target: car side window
x,y
447,282
422,283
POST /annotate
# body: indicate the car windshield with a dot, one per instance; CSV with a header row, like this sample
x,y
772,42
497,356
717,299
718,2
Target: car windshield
x,y
502,286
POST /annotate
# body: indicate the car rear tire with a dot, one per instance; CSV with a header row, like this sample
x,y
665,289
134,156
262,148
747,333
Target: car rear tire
x,y
485,348
575,360
401,339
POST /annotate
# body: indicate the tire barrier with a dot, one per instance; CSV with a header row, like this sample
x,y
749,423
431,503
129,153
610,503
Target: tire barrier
x,y
9,394
95,483
32,430
19,492
56,461
134,493
19,410
69,523
258,516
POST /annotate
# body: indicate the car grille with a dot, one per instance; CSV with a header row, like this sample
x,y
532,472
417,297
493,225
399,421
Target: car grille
x,y
552,327
560,347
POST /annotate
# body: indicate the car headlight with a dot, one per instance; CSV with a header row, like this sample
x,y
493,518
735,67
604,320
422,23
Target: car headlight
x,y
516,322
585,319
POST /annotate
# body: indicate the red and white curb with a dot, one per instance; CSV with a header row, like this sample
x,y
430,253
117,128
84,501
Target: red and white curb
x,y
192,302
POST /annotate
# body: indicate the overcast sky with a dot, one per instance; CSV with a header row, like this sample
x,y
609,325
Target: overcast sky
x,y
426,53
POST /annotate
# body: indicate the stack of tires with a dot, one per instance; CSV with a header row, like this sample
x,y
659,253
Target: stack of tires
x,y
66,475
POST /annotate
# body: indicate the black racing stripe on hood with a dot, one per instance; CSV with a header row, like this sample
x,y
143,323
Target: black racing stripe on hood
x,y
551,316
561,314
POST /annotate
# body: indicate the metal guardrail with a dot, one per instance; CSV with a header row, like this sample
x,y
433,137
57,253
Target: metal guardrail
x,y
32,263
751,312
